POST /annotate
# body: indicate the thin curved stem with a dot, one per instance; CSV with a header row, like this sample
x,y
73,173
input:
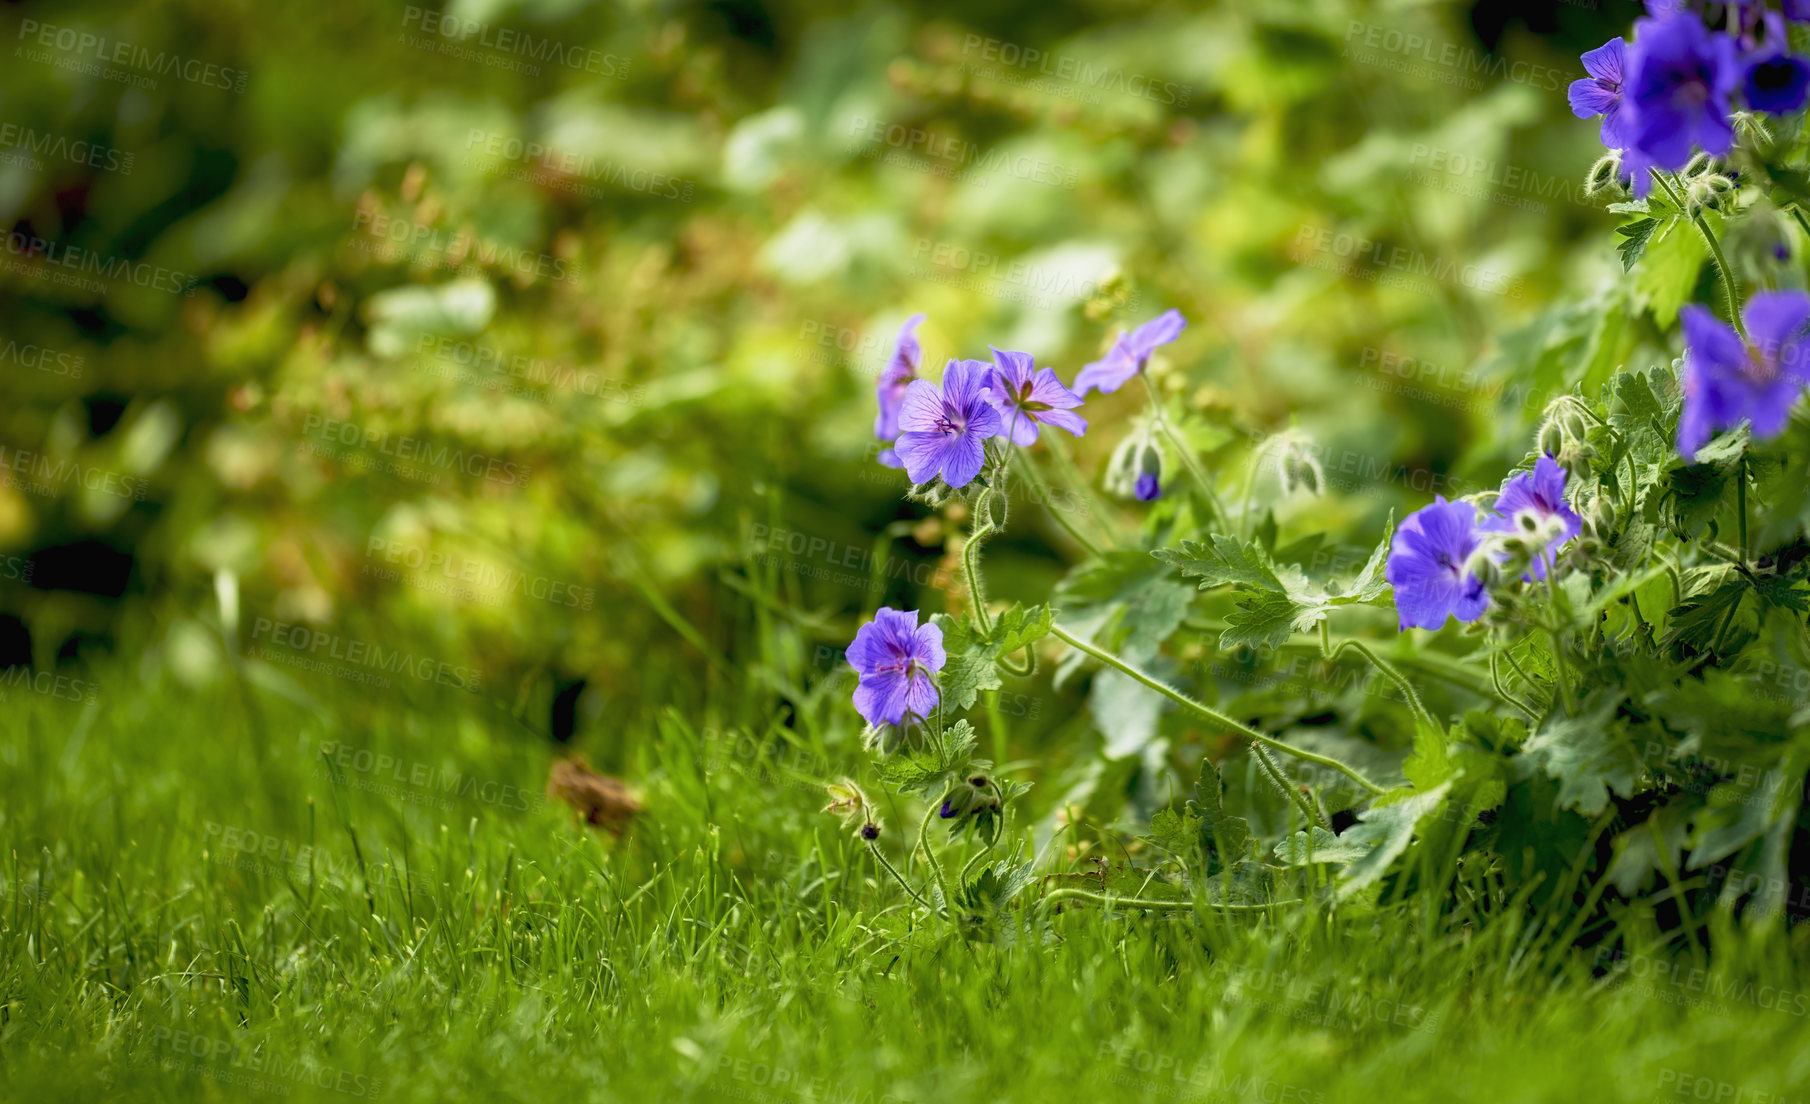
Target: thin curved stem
x,y
1519,670
1388,671
1495,674
1561,667
968,866
897,877
936,868
1288,787
1212,714
977,595
1013,669
1042,487
1715,249
1187,455
1250,483
1146,903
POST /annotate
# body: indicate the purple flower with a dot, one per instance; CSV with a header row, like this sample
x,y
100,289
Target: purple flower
x,y
1600,92
900,370
1427,566
895,657
1540,495
943,427
1776,82
1798,11
1680,76
1147,489
1129,353
1026,397
1727,380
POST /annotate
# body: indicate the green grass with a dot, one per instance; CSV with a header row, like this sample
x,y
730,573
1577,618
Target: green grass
x,y
196,907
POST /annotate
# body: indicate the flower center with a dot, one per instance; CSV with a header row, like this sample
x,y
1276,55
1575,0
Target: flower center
x,y
1692,91
950,422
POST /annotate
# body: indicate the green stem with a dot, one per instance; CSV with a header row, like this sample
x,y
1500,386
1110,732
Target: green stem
x,y
1187,455
1495,674
897,877
1213,715
1715,249
1741,504
1061,516
977,596
1388,671
1288,787
1560,665
968,867
936,868
1250,484
1145,903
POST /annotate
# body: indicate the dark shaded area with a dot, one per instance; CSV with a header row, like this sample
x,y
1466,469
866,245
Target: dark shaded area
x,y
85,566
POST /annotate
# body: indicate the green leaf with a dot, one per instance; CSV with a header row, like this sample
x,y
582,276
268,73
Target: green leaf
x,y
1267,620
1635,236
1221,834
1588,755
928,769
1385,831
1710,620
1673,257
1126,600
971,667
1018,627
1370,582
1325,848
1223,560
1176,832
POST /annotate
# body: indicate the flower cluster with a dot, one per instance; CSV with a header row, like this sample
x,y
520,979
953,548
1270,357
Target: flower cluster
x,y
1443,553
1674,89
1679,87
940,430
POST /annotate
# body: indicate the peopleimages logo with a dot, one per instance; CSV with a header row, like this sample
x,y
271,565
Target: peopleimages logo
x,y
54,361
74,262
332,431
1078,71
60,147
81,45
509,42
318,645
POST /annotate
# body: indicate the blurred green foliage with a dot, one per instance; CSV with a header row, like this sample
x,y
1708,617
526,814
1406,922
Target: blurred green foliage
x,y
520,365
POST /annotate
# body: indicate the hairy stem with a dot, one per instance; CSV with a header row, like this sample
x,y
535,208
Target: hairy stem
x,y
896,876
1388,671
1715,249
936,868
1288,787
1741,505
1560,665
1213,715
1495,674
977,595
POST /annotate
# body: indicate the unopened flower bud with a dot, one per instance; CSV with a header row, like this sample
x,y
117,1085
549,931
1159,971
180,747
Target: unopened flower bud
x,y
1605,174
1552,437
975,794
